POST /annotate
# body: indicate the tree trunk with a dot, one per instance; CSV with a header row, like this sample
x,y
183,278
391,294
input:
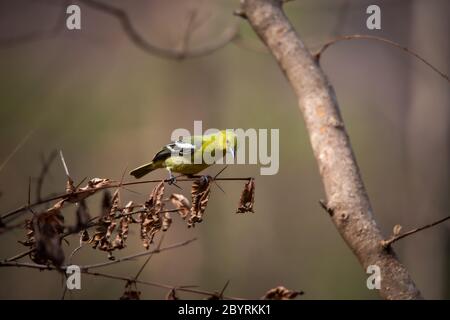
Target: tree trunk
x,y
347,199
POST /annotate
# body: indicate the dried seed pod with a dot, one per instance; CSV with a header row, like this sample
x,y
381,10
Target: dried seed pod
x,y
106,224
115,202
200,192
84,236
151,220
247,199
122,233
155,203
281,293
131,295
92,187
172,295
44,233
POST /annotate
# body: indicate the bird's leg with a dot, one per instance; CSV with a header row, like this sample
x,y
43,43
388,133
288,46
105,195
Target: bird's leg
x,y
172,178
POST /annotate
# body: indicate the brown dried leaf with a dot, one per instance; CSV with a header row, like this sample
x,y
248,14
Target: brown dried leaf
x,y
115,202
84,236
281,293
131,295
155,203
44,233
200,192
106,224
131,292
247,199
181,203
96,183
127,213
151,220
172,295
150,225
92,187
122,234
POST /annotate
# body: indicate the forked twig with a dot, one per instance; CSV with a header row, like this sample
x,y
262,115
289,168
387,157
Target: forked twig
x,y
394,238
121,15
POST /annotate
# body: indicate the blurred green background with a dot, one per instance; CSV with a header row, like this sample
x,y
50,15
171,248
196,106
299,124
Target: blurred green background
x,y
110,106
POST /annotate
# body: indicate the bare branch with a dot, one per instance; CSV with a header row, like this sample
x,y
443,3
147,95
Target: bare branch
x,y
346,194
394,238
137,255
158,247
46,163
96,265
16,148
227,36
66,196
188,289
390,42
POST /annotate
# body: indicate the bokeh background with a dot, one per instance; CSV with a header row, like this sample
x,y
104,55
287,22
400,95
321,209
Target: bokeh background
x,y
110,106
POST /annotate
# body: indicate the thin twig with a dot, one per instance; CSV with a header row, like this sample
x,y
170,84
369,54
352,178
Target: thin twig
x,y
390,42
46,164
17,148
96,265
148,258
72,254
138,255
187,289
188,32
18,256
387,243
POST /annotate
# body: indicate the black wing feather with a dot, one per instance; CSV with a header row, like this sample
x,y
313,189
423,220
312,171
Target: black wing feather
x,y
175,148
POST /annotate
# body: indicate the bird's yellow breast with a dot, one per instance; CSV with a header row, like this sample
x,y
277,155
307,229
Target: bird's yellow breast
x,y
184,165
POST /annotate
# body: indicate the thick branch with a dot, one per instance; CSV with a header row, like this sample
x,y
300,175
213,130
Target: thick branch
x,y
347,199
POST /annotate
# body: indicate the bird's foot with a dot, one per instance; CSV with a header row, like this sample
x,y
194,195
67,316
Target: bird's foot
x,y
205,179
172,179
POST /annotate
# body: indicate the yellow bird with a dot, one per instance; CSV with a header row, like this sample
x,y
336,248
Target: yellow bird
x,y
179,156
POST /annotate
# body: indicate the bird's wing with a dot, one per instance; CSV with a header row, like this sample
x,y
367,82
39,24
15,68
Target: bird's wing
x,y
177,148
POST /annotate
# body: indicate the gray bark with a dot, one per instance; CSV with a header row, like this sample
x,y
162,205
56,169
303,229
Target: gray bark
x,y
347,200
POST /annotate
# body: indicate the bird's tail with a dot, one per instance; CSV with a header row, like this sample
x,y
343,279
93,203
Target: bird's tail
x,y
141,171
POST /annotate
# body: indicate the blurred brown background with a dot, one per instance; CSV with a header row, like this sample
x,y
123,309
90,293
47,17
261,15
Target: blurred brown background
x,y
109,106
